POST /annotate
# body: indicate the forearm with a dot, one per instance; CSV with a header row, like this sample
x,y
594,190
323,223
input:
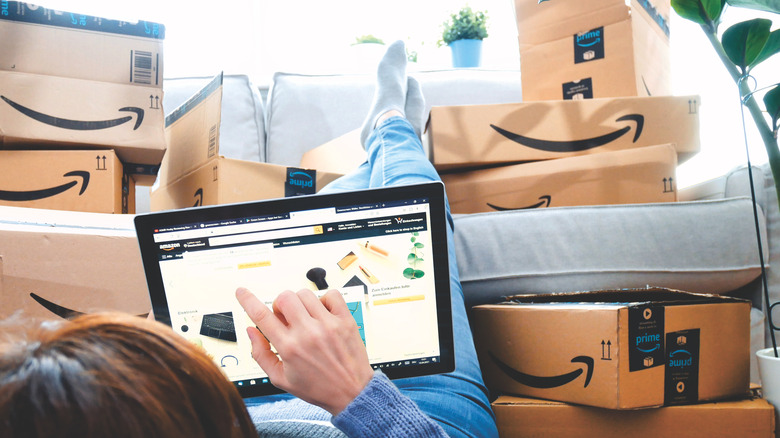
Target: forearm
x,y
381,410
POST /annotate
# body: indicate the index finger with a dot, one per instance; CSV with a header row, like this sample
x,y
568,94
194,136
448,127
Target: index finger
x,y
259,313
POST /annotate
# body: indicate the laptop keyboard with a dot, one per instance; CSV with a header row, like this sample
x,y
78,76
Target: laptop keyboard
x,y
219,326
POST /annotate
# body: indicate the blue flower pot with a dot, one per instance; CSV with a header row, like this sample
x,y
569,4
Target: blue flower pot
x,y
466,53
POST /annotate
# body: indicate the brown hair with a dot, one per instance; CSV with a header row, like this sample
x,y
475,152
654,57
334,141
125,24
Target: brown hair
x,y
115,375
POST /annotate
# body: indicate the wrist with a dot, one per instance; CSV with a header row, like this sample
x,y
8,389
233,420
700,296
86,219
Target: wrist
x,y
350,392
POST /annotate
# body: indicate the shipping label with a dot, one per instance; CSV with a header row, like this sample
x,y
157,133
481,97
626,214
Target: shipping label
x,y
681,382
646,337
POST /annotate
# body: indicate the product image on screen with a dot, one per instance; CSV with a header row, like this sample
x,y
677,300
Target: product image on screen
x,y
378,255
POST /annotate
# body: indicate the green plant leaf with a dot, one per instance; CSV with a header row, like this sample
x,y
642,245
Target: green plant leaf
x,y
413,239
772,102
744,41
418,274
761,5
699,11
771,47
419,245
409,273
411,258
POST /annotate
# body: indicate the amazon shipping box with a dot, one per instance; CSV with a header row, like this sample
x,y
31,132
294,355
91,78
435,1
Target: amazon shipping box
x,y
74,81
620,349
56,264
193,173
631,176
545,21
613,51
76,180
751,417
46,41
479,135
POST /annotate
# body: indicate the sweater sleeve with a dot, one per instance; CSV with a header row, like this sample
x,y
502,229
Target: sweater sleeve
x,y
381,410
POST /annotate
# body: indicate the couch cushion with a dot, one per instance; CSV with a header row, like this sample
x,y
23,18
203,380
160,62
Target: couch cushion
x,y
701,246
305,111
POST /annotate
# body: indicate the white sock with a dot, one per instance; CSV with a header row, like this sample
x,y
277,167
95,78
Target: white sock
x,y
390,92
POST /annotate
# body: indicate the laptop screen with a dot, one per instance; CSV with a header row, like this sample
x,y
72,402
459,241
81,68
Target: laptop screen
x,y
383,249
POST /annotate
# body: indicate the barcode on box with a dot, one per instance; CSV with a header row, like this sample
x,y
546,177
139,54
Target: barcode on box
x,y
212,141
140,67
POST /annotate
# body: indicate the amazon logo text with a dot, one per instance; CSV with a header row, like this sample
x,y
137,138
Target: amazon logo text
x,y
169,246
680,359
647,341
300,179
588,39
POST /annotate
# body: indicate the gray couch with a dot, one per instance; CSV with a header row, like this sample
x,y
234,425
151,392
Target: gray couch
x,y
704,243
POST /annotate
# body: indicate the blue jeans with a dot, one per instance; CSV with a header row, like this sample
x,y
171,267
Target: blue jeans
x,y
458,401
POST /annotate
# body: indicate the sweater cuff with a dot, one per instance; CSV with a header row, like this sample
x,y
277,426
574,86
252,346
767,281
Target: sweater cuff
x,y
381,410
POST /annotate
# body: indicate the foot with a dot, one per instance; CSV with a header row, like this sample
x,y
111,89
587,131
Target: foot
x,y
390,92
415,106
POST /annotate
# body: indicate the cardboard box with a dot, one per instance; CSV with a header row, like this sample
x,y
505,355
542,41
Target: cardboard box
x,y
56,264
621,349
56,43
65,113
224,181
632,176
341,155
525,417
91,181
192,172
630,57
474,135
545,21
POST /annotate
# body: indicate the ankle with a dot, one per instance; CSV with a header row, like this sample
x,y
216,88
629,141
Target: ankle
x,y
387,115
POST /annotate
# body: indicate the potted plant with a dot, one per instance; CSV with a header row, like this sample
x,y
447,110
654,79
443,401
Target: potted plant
x,y
742,47
464,32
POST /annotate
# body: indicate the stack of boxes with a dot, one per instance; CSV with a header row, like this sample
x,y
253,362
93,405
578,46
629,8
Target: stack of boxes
x,y
596,126
81,118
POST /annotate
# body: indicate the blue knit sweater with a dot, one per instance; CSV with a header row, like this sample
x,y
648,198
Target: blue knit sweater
x,y
379,410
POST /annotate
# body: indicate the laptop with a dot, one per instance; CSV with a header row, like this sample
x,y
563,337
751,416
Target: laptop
x,y
384,249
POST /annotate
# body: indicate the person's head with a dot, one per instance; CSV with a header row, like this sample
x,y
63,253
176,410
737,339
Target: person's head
x,y
114,375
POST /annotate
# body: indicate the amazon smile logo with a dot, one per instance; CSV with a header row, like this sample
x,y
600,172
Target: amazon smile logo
x,y
62,312
576,145
32,195
198,197
546,382
78,125
544,201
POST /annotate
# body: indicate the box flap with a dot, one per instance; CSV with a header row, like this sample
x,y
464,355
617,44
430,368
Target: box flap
x,y
192,132
627,296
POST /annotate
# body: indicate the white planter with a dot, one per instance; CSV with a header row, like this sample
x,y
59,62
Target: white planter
x,y
769,371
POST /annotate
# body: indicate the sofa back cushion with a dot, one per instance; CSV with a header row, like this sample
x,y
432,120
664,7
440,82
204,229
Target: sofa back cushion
x,y
305,111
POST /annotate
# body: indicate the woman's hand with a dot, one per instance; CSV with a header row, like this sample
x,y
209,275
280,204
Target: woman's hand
x,y
321,357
